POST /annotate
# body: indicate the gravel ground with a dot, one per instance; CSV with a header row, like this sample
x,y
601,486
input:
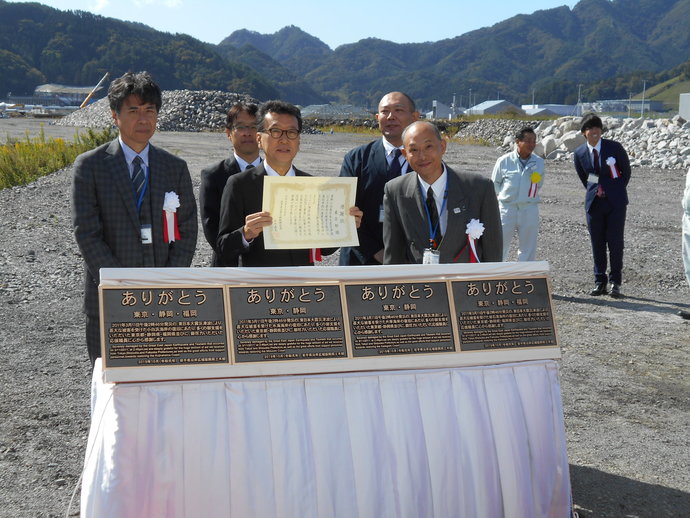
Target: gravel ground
x,y
624,371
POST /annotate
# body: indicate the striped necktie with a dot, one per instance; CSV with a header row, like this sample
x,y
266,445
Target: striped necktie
x,y
138,176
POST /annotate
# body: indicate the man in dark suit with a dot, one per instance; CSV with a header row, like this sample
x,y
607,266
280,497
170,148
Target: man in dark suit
x,y
604,170
242,220
240,127
436,215
119,195
374,164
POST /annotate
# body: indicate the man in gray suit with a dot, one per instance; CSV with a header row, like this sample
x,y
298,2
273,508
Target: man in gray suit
x,y
436,215
132,203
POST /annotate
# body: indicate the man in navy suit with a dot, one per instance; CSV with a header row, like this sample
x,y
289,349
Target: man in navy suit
x,y
374,164
240,127
604,170
119,192
242,218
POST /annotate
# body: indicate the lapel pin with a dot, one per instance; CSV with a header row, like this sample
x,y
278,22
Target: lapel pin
x,y
457,210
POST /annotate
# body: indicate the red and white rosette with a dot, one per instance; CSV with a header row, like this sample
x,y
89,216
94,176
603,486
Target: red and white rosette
x,y
475,229
171,230
613,168
535,178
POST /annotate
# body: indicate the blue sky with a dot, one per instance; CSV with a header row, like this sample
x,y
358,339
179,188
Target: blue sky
x,y
334,23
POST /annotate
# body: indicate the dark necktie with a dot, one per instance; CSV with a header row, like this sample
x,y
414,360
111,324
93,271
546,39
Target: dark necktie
x,y
138,177
249,166
394,169
595,156
433,215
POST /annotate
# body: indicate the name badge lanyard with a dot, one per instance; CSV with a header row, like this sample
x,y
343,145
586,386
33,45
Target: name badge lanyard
x,y
140,199
432,231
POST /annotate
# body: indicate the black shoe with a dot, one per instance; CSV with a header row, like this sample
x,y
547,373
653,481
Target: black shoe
x,y
684,314
615,291
599,289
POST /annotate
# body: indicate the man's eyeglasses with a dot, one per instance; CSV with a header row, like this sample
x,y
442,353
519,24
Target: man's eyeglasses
x,y
244,128
276,133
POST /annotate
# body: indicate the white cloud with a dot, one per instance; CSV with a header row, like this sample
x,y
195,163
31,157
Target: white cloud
x,y
100,5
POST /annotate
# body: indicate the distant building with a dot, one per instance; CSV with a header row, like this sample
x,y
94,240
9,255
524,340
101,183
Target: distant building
x,y
684,106
56,95
625,105
563,110
443,111
494,108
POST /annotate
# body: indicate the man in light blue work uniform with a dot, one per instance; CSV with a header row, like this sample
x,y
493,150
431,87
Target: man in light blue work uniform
x,y
686,237
518,177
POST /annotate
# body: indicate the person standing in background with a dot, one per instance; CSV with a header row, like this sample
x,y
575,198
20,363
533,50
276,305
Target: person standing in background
x,y
240,128
604,170
518,177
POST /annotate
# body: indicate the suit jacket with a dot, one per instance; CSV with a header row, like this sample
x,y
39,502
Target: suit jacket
x,y
369,165
243,195
615,189
213,180
107,226
406,230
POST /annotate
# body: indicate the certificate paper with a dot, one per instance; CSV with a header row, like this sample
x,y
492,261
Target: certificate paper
x,y
309,212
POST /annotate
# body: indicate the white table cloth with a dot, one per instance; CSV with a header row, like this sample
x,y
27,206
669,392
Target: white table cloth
x,y
462,442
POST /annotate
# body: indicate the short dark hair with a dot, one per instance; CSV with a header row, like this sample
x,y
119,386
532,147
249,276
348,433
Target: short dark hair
x,y
589,121
249,108
278,107
140,84
520,135
437,132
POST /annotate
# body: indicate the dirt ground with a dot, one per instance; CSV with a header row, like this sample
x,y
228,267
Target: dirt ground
x,y
624,371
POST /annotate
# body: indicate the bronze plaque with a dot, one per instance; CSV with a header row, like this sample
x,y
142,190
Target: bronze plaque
x,y
399,318
272,323
163,326
504,314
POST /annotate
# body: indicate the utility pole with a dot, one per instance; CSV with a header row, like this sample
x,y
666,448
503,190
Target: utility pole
x,y
644,87
579,99
629,103
533,98
469,105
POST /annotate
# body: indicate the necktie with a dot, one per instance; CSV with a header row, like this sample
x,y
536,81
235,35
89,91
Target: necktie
x,y
394,169
138,177
433,218
249,166
597,167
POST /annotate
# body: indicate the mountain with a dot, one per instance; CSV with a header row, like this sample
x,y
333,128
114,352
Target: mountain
x,y
290,46
603,48
289,85
41,44
548,53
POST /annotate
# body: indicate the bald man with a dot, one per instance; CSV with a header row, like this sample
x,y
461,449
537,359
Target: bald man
x,y
428,212
374,164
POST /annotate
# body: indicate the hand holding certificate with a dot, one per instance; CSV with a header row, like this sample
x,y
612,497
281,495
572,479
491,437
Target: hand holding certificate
x,y
310,212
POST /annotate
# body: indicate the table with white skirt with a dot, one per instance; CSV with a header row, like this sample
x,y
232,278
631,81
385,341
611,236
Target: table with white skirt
x,y
484,441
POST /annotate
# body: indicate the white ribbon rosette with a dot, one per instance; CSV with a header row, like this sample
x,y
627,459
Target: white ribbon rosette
x,y
613,168
475,229
171,231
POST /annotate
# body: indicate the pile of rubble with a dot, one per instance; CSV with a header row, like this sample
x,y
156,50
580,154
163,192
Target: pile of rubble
x,y
182,110
657,143
492,131
336,112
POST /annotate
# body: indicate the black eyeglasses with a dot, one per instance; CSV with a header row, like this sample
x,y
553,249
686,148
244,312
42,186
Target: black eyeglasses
x,y
276,133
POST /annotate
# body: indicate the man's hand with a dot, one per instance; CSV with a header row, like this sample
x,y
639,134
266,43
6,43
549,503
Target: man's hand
x,y
254,224
354,211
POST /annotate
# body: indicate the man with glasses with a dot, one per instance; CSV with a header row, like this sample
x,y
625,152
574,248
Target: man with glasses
x,y
242,220
240,127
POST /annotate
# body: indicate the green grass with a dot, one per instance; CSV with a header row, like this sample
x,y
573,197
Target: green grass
x,y
24,160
